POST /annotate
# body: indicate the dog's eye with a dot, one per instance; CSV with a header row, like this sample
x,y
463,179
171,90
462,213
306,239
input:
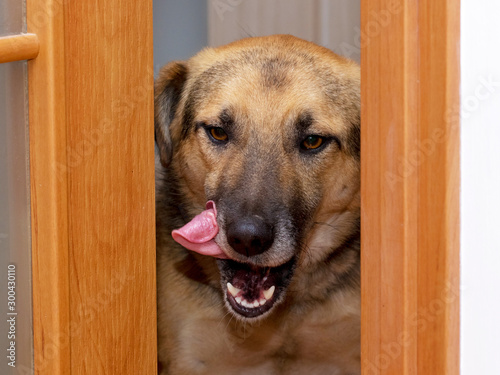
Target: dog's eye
x,y
218,134
312,142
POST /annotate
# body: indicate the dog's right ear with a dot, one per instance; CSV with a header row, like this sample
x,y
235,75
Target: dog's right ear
x,y
168,92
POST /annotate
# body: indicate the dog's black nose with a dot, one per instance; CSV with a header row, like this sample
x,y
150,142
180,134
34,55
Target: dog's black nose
x,y
250,235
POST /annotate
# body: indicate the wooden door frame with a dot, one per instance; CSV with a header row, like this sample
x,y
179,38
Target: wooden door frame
x,y
410,187
92,187
410,158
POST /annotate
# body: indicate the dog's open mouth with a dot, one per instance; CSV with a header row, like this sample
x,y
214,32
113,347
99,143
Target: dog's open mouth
x,y
252,291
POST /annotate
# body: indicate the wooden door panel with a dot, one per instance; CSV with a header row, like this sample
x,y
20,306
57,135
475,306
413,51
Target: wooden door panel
x,y
410,187
92,165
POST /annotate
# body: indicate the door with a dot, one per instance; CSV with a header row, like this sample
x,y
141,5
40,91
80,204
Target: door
x,y
410,186
92,187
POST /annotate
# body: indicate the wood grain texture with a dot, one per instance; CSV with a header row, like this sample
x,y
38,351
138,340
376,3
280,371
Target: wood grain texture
x,y
18,47
49,204
439,188
92,186
109,70
410,184
389,246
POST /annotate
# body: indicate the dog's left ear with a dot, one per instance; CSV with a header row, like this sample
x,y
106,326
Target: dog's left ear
x,y
168,91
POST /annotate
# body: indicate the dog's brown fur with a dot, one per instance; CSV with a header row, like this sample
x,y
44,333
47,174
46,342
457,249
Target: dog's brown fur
x,y
267,91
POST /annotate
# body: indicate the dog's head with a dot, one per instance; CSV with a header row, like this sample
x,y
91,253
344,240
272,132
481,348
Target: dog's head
x,y
268,129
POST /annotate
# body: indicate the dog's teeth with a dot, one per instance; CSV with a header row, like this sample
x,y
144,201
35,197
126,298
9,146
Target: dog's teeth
x,y
243,302
269,293
233,290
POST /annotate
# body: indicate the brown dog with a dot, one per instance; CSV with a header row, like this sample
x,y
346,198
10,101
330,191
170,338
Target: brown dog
x,y
267,130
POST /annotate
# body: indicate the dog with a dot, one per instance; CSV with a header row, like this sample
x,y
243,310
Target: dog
x,y
258,210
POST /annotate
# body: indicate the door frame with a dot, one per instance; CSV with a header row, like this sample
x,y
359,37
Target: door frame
x,y
92,187
410,186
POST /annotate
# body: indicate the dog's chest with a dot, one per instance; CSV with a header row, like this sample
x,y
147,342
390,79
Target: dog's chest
x,y
317,343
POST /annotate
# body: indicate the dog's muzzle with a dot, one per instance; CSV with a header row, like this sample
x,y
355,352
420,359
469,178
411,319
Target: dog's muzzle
x,y
249,290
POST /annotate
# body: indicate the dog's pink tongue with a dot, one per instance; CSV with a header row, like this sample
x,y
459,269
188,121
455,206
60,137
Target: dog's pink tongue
x,y
198,235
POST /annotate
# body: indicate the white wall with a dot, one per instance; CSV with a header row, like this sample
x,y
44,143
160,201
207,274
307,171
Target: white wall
x,y
480,216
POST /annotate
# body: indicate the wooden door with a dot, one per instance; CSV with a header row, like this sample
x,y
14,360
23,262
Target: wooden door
x,y
410,187
92,187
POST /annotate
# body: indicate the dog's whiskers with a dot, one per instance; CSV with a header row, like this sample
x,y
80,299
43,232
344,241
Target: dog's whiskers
x,y
223,318
326,224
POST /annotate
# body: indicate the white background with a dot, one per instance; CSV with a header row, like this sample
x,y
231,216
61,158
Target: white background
x,y
480,216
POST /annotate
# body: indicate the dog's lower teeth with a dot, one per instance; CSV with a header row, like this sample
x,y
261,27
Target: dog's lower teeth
x,y
233,290
236,293
269,293
250,305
